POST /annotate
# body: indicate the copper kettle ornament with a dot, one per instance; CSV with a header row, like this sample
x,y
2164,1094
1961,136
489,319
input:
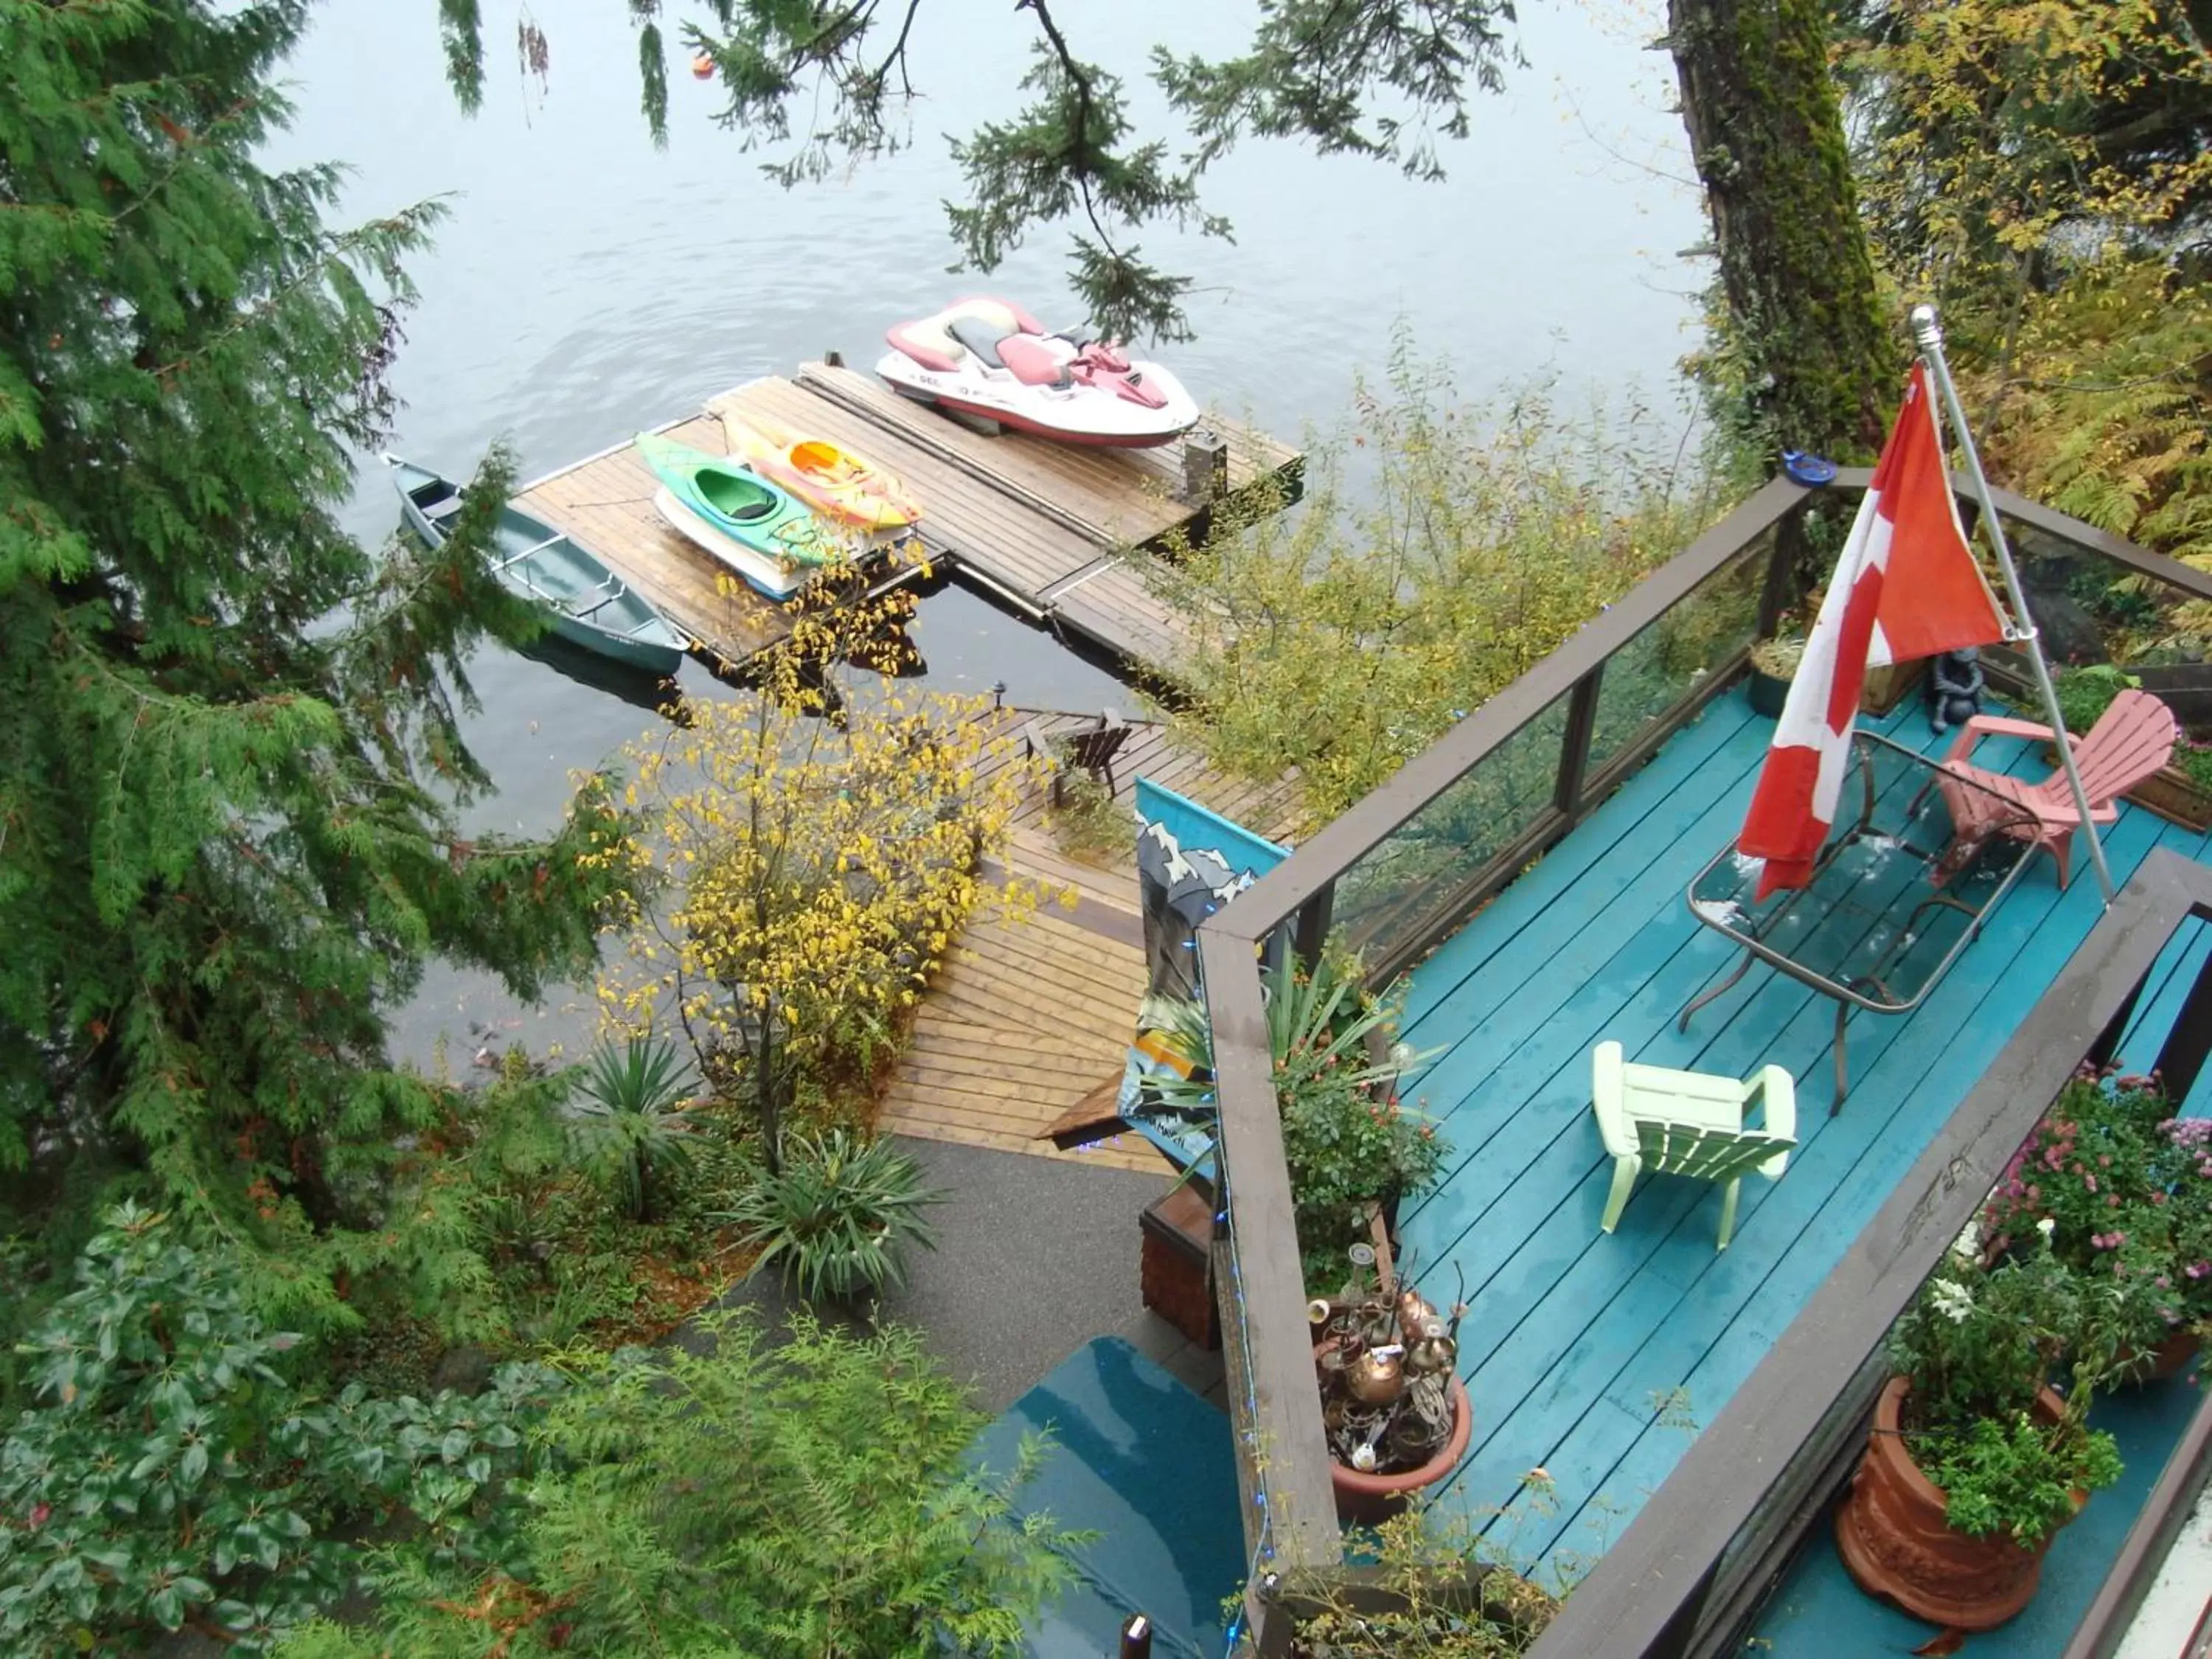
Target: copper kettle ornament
x,y
1413,1314
1434,1354
1375,1377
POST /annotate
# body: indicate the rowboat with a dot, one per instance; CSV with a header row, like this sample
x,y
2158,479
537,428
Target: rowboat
x,y
738,517
590,606
830,478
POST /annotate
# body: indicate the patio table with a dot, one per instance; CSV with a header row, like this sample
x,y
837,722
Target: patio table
x,y
1896,892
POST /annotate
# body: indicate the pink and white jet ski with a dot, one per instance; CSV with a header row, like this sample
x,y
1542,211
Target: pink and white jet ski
x,y
991,360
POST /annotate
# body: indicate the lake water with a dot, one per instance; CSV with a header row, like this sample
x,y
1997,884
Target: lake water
x,y
588,285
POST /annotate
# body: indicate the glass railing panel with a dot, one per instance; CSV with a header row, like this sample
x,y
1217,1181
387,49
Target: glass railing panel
x,y
2090,608
1427,864
1652,676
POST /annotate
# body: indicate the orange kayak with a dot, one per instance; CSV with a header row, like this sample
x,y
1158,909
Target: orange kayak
x,y
833,480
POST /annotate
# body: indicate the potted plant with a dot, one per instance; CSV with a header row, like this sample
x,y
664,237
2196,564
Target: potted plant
x,y
2122,1191
1427,1587
2180,792
1975,1463
1773,666
1350,1143
1395,1412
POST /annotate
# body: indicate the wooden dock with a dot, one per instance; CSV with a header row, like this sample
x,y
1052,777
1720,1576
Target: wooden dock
x,y
1050,529
1029,1018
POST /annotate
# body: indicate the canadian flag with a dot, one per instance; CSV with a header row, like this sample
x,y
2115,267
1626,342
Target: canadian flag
x,y
1906,588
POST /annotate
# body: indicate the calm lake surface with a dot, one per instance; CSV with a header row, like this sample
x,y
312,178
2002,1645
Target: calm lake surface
x,y
588,285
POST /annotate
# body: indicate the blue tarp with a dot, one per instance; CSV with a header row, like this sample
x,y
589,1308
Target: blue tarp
x,y
1148,1466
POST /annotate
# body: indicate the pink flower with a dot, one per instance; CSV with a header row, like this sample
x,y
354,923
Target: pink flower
x,y
2104,1160
2089,1181
2111,1201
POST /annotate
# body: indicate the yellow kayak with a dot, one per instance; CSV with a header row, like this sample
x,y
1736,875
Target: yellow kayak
x,y
833,480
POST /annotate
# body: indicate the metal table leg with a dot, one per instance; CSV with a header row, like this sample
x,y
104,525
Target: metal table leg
x,y
1696,1003
1843,1081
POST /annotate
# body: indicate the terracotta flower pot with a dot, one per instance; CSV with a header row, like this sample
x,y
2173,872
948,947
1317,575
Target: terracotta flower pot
x,y
2170,1358
1367,1500
1894,1537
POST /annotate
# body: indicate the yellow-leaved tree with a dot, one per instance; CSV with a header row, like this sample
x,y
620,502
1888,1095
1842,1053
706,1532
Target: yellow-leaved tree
x,y
817,844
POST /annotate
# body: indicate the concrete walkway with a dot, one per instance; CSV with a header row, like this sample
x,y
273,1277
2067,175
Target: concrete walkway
x,y
1035,1257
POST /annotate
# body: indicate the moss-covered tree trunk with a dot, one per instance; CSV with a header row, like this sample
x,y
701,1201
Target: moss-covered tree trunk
x,y
1766,130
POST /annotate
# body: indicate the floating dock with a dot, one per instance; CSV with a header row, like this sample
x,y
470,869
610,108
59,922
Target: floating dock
x,y
1027,1020
1052,531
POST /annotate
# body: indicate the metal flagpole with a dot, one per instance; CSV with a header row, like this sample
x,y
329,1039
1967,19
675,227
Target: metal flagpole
x,y
1928,332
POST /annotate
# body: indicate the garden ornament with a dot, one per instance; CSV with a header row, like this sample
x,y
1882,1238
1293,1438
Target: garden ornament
x,y
1954,689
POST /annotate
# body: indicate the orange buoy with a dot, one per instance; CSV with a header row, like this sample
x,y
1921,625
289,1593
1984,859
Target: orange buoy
x,y
703,65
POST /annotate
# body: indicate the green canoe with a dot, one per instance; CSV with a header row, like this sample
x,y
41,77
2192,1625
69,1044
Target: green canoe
x,y
590,606
742,514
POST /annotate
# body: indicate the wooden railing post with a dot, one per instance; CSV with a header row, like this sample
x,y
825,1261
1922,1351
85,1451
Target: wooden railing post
x,y
1774,595
1282,1451
1310,931
1574,743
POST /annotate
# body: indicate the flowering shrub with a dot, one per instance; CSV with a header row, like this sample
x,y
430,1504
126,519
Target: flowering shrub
x,y
1977,1347
2122,1190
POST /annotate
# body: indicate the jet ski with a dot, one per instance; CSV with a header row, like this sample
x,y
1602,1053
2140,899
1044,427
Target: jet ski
x,y
990,360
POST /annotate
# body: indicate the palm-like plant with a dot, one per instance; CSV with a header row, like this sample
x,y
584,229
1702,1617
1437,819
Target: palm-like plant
x,y
1348,1140
837,1215
629,1122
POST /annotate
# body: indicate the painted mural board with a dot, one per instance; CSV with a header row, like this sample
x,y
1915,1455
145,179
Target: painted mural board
x,y
1190,862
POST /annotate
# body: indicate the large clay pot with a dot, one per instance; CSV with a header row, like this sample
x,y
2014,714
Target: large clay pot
x,y
2170,1358
1892,1535
1368,1500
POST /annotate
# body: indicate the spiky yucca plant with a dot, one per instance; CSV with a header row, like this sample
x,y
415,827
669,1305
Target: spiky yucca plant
x,y
837,1215
629,1118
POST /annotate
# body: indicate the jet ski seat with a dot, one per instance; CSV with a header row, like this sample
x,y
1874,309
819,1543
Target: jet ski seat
x,y
980,336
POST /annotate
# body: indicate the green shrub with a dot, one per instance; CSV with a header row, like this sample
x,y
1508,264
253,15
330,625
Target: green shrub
x,y
778,1501
1439,554
174,1472
838,1215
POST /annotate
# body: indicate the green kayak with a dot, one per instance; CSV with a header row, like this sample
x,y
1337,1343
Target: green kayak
x,y
741,512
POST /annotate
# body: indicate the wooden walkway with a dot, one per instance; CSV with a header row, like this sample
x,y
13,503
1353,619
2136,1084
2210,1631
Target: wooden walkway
x,y
1595,1358
1030,1017
1050,529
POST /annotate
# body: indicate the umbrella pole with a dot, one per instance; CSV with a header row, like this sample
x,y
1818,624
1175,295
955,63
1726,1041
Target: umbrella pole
x,y
1927,333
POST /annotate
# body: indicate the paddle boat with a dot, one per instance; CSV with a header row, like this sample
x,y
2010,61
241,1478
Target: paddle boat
x,y
738,518
832,480
989,360
590,606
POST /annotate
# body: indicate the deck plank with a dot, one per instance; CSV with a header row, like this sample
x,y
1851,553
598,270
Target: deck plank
x,y
1577,1339
1030,1015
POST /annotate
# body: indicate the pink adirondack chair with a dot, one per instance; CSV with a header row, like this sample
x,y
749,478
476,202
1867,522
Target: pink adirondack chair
x,y
2134,738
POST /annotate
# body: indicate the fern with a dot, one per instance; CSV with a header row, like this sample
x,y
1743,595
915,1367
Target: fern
x,y
789,1500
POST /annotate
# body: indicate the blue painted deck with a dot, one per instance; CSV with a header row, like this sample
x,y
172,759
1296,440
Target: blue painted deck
x,y
1595,1359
